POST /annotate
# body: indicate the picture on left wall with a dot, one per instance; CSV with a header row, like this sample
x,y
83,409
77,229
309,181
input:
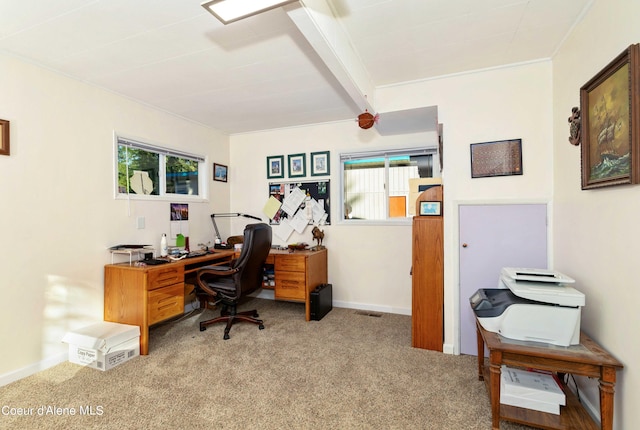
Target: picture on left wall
x,y
4,137
219,172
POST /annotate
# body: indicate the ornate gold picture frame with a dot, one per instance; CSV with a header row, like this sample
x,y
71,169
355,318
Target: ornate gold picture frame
x,y
610,107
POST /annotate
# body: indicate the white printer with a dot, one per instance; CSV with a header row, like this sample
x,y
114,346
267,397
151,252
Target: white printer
x,y
531,305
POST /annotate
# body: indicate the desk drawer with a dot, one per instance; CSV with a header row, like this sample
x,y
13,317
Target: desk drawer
x,y
165,303
290,285
166,274
290,263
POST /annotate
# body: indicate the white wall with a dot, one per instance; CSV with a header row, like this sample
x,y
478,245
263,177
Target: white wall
x,y
596,231
369,265
497,104
58,211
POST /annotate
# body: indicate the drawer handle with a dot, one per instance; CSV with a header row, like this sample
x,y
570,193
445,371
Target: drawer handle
x,y
172,299
167,306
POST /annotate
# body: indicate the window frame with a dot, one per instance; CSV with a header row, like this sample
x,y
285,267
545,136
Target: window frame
x,y
164,152
432,150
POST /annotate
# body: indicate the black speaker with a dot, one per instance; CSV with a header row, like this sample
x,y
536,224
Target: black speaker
x,y
321,301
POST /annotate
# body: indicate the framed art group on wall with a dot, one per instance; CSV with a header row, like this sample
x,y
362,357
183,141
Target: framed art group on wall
x,y
610,107
296,166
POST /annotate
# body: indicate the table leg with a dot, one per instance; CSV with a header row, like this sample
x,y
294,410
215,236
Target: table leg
x,y
480,354
144,340
607,383
495,358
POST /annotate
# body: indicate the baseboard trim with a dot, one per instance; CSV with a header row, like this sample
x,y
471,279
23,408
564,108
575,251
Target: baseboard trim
x,y
32,369
268,294
370,307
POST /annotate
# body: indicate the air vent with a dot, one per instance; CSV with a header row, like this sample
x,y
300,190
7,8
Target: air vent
x,y
369,314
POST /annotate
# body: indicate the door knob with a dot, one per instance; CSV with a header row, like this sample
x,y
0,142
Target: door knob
x,y
464,245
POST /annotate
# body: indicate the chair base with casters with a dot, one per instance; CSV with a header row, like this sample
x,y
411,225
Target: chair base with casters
x,y
230,315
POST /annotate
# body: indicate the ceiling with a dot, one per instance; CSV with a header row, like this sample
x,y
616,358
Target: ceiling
x,y
312,61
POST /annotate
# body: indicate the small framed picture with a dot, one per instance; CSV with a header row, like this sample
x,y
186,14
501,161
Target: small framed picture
x,y
275,166
219,172
430,209
4,137
297,164
320,163
499,158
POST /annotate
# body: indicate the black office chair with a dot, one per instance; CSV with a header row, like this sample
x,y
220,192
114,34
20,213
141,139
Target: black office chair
x,y
228,284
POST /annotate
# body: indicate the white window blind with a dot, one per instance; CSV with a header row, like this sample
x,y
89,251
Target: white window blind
x,y
158,149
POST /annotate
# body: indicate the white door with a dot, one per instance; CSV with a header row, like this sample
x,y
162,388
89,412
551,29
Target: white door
x,y
493,237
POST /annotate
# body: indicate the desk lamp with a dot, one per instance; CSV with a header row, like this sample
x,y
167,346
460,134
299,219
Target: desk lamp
x,y
218,242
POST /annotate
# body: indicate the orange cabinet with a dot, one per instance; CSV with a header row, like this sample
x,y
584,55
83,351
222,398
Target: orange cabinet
x,y
298,273
427,281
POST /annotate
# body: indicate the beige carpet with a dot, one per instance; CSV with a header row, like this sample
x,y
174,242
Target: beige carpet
x,y
347,371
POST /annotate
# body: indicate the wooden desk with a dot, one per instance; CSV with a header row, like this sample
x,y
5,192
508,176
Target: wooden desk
x,y
298,273
146,295
586,359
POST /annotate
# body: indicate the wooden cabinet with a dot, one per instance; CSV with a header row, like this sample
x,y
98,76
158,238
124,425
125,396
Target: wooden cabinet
x,y
165,303
146,295
290,275
297,274
427,282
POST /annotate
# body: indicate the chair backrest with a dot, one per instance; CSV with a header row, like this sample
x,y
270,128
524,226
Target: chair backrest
x,y
255,250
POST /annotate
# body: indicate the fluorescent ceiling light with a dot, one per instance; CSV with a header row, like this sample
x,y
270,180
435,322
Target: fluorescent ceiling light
x,y
228,11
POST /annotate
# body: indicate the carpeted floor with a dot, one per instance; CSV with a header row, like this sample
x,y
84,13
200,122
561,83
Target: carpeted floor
x,y
347,371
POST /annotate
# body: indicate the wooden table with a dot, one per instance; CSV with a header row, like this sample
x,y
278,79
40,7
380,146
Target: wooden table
x,y
585,359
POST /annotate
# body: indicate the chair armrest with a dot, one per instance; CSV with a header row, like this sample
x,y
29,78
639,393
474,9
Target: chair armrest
x,y
216,271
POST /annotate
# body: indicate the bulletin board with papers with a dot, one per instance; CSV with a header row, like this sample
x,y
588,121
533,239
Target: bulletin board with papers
x,y
299,204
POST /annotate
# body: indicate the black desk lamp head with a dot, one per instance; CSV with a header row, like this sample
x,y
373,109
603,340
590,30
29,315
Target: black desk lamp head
x,y
218,240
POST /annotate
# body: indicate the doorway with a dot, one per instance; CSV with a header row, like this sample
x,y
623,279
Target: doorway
x,y
493,237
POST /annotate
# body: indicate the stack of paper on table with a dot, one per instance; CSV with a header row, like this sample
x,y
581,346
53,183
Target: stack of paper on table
x,y
531,390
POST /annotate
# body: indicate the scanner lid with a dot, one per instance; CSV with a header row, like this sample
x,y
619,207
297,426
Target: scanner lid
x,y
537,275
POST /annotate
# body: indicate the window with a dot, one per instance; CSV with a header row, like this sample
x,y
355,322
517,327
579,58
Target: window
x,y
376,185
148,170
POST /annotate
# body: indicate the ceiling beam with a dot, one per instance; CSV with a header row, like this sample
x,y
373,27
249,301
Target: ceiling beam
x,y
319,25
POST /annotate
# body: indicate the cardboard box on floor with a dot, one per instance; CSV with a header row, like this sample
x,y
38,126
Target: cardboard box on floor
x,y
103,345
